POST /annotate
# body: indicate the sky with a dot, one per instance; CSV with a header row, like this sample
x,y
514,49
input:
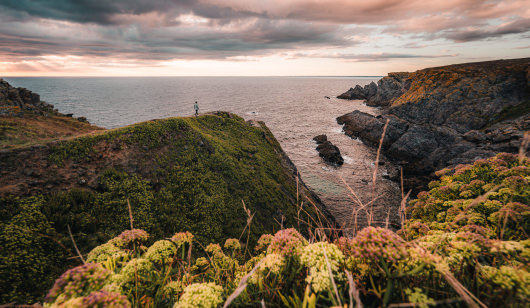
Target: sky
x,y
255,37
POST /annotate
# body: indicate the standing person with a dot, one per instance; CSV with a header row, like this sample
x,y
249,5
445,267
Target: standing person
x,y
196,107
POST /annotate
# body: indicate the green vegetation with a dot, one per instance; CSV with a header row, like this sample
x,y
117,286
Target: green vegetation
x,y
31,129
465,245
179,174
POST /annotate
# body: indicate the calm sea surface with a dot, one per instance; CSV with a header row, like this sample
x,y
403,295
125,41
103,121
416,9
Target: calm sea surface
x,y
294,108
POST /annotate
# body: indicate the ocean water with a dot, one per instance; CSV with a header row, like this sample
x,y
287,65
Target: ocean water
x,y
294,108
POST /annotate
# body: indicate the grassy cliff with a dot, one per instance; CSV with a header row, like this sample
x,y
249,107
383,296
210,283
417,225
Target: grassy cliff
x,y
177,174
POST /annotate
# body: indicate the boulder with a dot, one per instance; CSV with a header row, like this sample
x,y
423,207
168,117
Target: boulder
x,y
320,139
330,153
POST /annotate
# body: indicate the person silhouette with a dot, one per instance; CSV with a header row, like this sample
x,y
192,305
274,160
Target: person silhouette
x,y
196,107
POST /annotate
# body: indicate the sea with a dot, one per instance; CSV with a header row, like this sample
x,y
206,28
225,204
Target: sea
x,y
294,108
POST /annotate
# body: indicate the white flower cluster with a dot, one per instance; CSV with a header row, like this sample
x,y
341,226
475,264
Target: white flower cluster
x,y
204,295
313,257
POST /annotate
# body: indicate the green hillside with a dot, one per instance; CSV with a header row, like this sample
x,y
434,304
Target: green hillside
x,y
178,174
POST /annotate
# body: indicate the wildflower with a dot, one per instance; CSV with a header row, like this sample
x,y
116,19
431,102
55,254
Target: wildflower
x,y
272,263
78,281
506,246
264,242
205,295
173,288
161,252
102,252
313,257
202,262
373,243
136,269
106,299
214,249
232,244
507,157
443,172
286,242
133,236
181,238
418,297
345,245
509,279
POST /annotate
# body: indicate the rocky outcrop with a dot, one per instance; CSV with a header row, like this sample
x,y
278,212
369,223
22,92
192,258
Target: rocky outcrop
x,y
382,94
448,115
320,139
328,151
25,119
16,101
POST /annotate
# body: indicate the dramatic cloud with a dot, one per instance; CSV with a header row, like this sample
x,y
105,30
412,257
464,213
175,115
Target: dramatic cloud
x,y
343,30
515,27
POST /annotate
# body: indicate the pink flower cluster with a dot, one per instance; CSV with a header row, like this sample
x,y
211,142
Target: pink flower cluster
x,y
106,299
182,237
134,235
286,242
374,243
76,281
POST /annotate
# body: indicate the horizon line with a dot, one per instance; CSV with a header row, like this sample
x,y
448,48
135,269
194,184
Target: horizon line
x,y
225,76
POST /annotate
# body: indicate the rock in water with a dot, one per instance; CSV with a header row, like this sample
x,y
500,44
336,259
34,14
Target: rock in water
x,y
330,153
444,116
320,139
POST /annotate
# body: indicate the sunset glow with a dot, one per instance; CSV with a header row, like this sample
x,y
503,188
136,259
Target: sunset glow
x,y
253,37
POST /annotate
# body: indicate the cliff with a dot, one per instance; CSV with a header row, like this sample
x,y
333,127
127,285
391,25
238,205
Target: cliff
x,y
445,116
177,174
25,119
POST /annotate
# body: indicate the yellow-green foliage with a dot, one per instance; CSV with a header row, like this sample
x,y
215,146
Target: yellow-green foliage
x,y
437,258
496,272
490,197
182,174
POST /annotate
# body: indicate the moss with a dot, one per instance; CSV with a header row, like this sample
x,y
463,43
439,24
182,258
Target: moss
x,y
183,174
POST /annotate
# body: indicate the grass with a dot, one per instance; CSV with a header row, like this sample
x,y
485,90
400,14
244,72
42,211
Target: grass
x,y
191,174
34,129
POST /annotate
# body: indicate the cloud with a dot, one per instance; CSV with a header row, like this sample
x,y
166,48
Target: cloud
x,y
514,27
373,57
160,30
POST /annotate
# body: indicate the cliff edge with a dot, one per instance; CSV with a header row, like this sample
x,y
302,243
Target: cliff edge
x,y
25,119
444,116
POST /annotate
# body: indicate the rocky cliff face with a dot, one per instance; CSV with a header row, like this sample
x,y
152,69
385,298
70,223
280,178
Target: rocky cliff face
x,y
25,119
14,101
445,116
382,94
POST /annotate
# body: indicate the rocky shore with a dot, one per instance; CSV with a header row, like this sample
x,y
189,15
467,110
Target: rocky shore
x,y
445,116
26,120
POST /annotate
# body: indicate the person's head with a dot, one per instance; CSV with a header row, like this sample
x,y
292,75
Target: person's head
x,y
195,102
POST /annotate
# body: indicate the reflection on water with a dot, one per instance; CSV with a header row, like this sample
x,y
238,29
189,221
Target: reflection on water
x,y
294,108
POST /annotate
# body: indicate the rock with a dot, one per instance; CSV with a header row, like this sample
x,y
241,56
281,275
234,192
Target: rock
x,y
320,139
330,153
327,97
443,116
382,94
20,100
